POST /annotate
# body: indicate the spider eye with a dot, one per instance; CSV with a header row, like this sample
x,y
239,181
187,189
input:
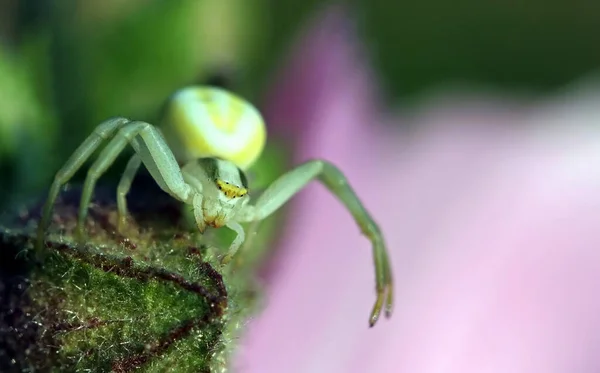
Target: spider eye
x,y
230,190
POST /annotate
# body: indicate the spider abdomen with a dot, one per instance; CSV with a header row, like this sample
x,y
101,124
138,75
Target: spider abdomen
x,y
211,122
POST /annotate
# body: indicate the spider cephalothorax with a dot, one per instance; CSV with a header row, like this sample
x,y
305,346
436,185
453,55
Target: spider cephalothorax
x,y
216,135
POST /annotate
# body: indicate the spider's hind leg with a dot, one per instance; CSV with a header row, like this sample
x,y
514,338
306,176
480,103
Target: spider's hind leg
x,y
102,132
151,150
104,161
124,186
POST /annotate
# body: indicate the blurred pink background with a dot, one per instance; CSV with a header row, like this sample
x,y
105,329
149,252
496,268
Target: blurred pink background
x,y
491,210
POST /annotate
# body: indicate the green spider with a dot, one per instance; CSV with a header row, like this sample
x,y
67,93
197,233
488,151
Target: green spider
x,y
216,135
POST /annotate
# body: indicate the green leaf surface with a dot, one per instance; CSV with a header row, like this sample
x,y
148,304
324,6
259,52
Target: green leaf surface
x,y
142,300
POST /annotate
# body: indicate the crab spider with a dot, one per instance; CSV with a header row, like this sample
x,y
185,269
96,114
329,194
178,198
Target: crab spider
x,y
216,135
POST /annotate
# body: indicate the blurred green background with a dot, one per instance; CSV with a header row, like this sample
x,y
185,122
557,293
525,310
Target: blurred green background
x,y
66,65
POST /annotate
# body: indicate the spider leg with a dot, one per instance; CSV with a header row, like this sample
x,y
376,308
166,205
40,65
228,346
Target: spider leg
x,y
290,183
105,159
237,242
125,185
151,150
161,163
101,133
198,213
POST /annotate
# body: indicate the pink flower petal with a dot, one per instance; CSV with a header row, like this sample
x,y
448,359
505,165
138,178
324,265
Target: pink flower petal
x,y
492,220
324,63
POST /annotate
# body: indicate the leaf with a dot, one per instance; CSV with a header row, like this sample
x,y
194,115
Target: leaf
x,y
144,300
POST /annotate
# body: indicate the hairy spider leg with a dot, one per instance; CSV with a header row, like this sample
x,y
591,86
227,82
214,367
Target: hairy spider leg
x,y
293,181
149,144
101,133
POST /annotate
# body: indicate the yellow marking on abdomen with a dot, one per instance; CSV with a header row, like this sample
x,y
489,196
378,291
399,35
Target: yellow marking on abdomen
x,y
224,115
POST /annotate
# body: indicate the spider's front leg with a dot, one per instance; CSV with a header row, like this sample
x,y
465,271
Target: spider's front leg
x,y
290,183
237,242
198,211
